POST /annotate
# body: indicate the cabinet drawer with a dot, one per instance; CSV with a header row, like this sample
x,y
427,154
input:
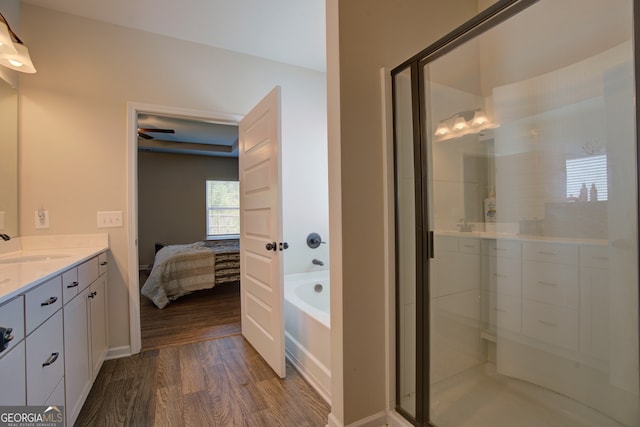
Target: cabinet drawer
x,y
444,244
12,316
70,285
502,248
550,252
469,245
551,324
103,262
42,302
505,276
12,372
555,284
45,360
88,272
594,256
506,313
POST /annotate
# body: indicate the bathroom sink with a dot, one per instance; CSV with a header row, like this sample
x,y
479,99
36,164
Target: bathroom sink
x,y
31,258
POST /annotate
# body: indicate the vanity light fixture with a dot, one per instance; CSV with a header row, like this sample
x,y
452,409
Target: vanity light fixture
x,y
13,52
463,123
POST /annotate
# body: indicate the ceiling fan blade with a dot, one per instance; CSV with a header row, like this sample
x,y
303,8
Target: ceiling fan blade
x,y
144,135
153,130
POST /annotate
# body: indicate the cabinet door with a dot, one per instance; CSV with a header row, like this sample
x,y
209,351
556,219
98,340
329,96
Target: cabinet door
x,y
12,372
99,332
76,348
45,360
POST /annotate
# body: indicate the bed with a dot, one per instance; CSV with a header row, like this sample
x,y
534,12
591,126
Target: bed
x,y
181,269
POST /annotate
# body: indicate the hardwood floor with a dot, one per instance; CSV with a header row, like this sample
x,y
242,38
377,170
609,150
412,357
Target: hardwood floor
x,y
219,382
202,315
197,370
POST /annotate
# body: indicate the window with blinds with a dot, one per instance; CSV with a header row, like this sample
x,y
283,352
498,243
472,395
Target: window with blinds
x,y
223,209
588,171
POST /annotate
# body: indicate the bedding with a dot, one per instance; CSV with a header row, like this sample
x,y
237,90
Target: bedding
x,y
181,269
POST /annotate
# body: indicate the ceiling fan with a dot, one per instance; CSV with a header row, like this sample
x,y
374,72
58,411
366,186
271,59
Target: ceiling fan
x,y
144,132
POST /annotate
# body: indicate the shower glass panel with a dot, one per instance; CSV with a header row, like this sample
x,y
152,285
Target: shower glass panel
x,y
405,244
532,192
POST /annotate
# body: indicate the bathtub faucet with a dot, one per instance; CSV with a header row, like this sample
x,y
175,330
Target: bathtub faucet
x,y
317,262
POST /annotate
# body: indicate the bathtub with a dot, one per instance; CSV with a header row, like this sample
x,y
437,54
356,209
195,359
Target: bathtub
x,y
307,328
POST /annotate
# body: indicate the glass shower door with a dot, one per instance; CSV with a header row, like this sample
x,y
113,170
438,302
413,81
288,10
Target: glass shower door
x,y
531,159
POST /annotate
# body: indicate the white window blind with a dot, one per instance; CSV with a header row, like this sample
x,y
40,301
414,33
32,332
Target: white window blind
x,y
223,209
587,170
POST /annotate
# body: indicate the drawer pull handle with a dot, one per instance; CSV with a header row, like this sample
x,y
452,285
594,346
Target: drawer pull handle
x,y
49,301
51,359
5,337
500,310
502,276
500,249
553,325
547,283
72,285
547,253
104,263
469,246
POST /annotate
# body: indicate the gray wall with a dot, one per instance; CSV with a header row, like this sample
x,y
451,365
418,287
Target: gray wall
x,y
171,197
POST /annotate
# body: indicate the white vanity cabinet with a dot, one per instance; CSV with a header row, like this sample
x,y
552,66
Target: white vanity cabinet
x,y
85,333
594,303
551,293
12,358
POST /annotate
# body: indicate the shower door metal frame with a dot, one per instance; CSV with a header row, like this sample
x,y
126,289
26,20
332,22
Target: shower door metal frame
x,y
499,12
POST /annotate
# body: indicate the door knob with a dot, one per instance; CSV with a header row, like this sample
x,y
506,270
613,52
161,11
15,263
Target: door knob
x,y
271,246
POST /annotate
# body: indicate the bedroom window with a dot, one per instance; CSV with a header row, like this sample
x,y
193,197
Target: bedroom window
x,y
223,209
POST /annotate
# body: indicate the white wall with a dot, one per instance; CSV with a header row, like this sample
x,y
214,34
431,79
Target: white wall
x,y
304,178
73,151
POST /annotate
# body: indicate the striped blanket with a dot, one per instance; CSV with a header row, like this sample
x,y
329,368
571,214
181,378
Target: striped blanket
x,y
179,270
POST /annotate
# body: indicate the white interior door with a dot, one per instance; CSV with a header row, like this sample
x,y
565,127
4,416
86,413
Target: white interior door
x,y
261,231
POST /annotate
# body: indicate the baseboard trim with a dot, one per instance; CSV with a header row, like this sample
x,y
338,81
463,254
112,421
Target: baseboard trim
x,y
118,352
333,421
394,419
375,420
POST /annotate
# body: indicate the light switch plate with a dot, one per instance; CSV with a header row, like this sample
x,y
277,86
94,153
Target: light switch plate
x,y
109,219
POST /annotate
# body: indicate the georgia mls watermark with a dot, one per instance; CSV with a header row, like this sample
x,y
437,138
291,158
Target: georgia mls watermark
x,y
31,416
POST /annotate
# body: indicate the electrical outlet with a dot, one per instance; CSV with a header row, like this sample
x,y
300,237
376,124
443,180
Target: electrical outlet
x,y
109,219
41,219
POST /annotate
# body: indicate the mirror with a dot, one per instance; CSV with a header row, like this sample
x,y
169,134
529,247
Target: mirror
x,y
8,159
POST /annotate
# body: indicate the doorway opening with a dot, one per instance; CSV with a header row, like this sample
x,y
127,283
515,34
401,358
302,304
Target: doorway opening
x,y
142,120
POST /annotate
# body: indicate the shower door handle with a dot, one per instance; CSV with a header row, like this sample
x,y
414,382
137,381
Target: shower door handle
x,y
271,246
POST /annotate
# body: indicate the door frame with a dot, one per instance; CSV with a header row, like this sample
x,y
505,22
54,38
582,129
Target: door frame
x,y
131,226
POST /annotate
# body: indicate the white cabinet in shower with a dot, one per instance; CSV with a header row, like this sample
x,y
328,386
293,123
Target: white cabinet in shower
x,y
551,294
594,302
455,305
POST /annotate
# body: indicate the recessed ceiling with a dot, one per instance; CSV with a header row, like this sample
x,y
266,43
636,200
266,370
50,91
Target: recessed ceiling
x,y
289,31
179,135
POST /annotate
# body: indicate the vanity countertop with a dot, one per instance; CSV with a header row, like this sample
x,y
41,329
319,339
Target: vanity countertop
x,y
522,237
43,258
